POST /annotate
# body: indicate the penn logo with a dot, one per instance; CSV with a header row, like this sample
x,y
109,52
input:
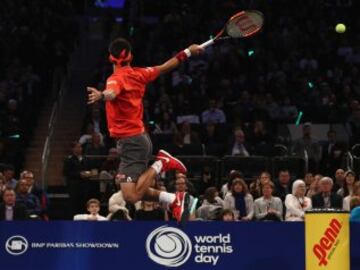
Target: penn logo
x,y
327,242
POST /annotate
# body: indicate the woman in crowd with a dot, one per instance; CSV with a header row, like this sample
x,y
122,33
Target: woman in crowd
x,y
240,201
297,203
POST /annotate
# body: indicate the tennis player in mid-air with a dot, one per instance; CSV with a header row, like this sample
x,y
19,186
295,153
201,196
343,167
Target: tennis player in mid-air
x,y
123,96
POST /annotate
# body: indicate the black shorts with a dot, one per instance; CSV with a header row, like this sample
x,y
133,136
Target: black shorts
x,y
135,153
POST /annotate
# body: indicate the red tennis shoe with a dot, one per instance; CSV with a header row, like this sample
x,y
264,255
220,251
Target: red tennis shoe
x,y
170,163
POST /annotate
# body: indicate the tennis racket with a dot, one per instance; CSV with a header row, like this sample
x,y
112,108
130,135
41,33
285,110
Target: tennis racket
x,y
241,25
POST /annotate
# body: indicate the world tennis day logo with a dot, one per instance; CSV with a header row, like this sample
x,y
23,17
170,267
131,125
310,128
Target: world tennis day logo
x,y
171,247
168,246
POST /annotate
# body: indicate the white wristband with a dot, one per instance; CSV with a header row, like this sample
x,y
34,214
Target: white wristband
x,y
187,52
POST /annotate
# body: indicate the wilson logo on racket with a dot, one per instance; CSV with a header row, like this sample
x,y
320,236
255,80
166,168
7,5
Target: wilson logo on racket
x,y
245,23
241,25
328,243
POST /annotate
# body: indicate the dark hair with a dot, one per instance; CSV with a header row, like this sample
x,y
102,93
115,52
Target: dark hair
x,y
209,194
242,183
8,189
227,212
232,175
119,215
119,44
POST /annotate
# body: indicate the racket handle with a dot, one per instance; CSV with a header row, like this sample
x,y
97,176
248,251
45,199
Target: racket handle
x,y
207,43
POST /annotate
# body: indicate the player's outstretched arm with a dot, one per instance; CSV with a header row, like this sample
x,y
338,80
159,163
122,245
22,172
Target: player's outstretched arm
x,y
172,63
95,95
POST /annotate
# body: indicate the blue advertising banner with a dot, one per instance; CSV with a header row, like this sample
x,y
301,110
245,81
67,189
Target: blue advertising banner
x,y
153,245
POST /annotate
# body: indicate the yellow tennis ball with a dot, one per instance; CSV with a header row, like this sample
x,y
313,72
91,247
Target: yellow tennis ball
x,y
340,28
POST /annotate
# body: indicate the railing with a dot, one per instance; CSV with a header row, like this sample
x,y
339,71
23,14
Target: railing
x,y
47,145
219,167
349,161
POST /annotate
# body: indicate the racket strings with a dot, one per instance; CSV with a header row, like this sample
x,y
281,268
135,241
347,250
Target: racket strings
x,y
244,25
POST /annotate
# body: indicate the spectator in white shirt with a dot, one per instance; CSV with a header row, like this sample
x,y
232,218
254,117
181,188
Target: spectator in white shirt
x,y
297,203
347,199
93,207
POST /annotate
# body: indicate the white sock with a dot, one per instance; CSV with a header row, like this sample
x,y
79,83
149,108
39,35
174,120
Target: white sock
x,y
157,166
166,197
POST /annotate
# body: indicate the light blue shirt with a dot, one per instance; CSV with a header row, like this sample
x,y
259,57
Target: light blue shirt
x,y
355,214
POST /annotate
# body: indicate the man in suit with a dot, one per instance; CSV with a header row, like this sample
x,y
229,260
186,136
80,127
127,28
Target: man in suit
x,y
238,146
9,210
326,198
76,174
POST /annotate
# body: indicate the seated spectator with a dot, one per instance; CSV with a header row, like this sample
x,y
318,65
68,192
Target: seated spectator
x,y
117,202
238,146
227,215
165,125
283,185
148,211
211,205
31,202
312,185
226,188
355,209
259,134
213,114
93,207
37,191
111,164
347,199
256,185
188,135
348,184
325,198
339,179
86,138
95,148
9,174
297,203
268,207
97,120
10,209
240,201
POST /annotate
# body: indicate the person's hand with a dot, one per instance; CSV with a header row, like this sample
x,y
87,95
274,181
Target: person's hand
x,y
93,95
245,219
92,217
195,49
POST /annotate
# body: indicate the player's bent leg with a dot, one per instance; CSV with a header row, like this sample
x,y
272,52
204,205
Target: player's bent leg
x,y
129,192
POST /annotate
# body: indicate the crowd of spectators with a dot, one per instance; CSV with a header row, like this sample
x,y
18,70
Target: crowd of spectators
x,y
36,38
229,101
233,98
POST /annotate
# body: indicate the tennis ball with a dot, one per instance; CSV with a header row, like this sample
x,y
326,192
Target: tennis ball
x,y
340,28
